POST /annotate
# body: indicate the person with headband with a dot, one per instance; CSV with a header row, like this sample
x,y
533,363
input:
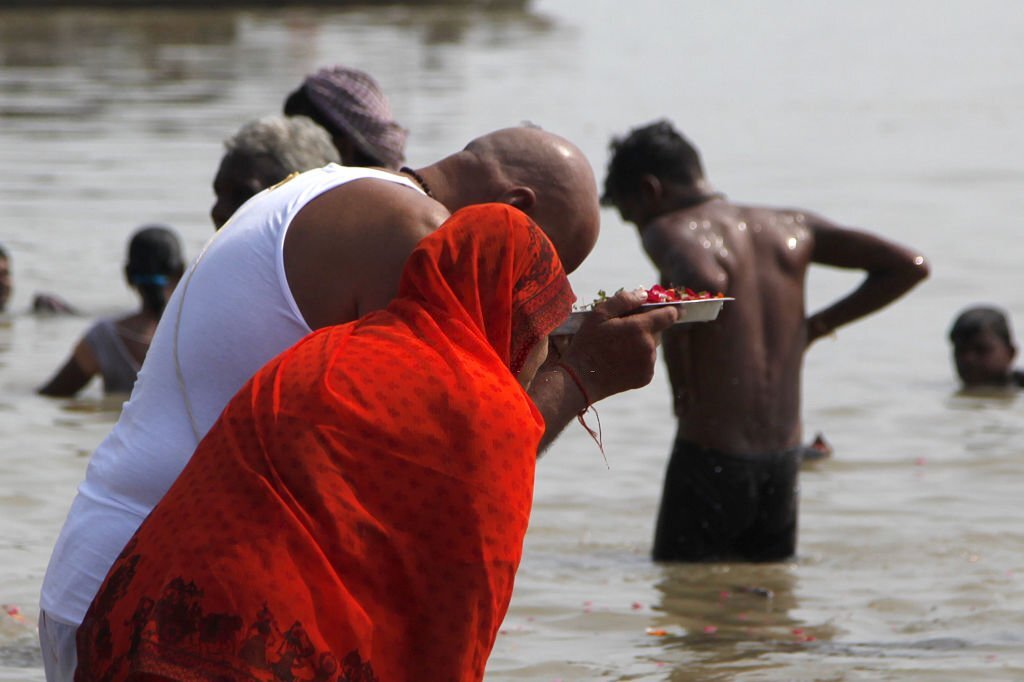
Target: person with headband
x,y
115,348
350,105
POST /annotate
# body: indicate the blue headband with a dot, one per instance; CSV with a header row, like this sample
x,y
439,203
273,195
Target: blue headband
x,y
142,280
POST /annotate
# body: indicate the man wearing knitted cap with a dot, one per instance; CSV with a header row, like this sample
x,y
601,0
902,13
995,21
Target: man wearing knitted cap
x,y
326,247
351,106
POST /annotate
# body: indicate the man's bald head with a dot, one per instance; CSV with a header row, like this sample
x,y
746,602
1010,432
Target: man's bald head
x,y
540,173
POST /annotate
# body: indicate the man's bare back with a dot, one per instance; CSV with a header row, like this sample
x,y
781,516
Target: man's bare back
x,y
731,486
736,382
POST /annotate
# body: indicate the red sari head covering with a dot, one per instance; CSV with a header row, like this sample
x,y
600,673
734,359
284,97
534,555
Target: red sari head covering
x,y
357,513
507,288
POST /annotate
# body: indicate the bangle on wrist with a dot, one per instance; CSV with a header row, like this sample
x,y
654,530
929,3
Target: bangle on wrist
x,y
579,384
598,436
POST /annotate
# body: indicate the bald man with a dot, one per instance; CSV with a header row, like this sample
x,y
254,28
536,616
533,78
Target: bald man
x,y
323,248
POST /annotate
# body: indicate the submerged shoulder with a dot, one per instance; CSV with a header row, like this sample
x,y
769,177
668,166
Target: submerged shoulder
x,y
101,330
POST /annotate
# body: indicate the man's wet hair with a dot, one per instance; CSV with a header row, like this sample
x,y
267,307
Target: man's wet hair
x,y
978,319
655,149
3,253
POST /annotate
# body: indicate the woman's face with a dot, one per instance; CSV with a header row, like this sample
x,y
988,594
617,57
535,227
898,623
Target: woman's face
x,y
983,359
538,354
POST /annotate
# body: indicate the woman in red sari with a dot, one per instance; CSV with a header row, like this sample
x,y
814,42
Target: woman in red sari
x,y
358,511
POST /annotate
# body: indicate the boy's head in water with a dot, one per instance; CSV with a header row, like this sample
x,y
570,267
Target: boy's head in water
x,y
983,347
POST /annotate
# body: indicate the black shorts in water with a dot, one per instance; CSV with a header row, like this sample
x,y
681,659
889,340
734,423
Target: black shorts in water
x,y
723,507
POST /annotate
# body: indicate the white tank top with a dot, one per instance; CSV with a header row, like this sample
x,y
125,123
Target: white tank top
x,y
229,315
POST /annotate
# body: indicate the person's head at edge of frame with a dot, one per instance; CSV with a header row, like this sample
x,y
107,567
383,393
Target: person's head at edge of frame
x,y
652,170
6,281
351,106
41,302
154,265
983,347
263,153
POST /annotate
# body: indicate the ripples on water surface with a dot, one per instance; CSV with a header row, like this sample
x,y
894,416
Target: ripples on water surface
x,y
903,118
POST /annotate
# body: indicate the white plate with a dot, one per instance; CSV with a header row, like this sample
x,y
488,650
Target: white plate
x,y
694,310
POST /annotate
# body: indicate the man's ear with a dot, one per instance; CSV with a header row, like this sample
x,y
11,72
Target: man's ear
x,y
651,188
522,198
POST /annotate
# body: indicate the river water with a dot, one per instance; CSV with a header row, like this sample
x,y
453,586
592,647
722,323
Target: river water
x,y
904,118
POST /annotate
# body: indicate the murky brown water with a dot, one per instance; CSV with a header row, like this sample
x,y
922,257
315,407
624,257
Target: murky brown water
x,y
901,117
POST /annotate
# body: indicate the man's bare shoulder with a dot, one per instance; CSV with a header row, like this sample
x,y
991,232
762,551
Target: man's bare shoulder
x,y
692,227
773,228
369,201
688,248
780,215
345,249
679,229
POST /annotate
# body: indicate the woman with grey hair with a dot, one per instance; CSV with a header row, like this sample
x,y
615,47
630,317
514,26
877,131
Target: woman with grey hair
x,y
263,153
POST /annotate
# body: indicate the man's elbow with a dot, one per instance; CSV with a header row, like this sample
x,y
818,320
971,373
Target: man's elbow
x,y
909,269
904,275
918,269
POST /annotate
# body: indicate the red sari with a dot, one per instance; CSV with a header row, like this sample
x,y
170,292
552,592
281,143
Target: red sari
x,y
358,511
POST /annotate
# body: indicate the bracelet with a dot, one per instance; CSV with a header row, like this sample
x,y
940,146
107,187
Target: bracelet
x,y
598,435
579,384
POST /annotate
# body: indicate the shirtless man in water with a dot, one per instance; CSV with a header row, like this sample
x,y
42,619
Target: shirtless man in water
x,y
320,249
731,487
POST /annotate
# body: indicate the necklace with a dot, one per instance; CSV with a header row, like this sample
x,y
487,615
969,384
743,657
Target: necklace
x,y
419,179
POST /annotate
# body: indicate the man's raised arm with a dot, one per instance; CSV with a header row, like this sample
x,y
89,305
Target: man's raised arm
x,y
892,270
